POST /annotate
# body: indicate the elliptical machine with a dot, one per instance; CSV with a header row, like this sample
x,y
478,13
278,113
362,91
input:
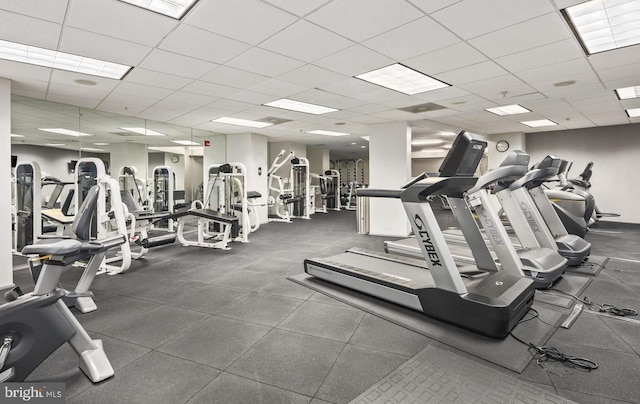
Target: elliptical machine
x,y
34,325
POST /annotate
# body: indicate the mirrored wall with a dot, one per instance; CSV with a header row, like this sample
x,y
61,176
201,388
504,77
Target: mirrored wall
x,y
57,135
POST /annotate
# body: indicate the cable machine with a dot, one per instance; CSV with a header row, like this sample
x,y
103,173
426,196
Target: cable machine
x,y
27,208
164,182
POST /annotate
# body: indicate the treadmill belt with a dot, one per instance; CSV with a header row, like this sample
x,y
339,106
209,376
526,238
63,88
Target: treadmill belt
x,y
507,353
438,376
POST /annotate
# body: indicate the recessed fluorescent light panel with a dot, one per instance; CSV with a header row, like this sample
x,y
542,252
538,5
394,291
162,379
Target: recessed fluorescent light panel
x,y
92,149
59,60
628,92
172,8
144,131
633,112
365,138
67,132
14,135
403,79
242,122
299,106
603,25
101,144
539,123
186,142
54,144
328,133
508,110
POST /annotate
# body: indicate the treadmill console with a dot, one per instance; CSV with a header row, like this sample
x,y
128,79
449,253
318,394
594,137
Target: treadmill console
x,y
464,156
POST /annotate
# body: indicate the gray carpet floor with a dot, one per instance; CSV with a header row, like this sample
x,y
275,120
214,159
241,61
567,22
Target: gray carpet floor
x,y
195,325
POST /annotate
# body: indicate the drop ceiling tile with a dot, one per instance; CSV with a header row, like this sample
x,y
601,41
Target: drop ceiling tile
x,y
378,95
524,36
233,77
119,20
200,44
431,6
631,103
558,72
349,87
472,18
412,39
277,88
29,31
24,72
190,98
467,74
129,100
495,87
250,97
368,108
158,114
622,76
83,101
29,88
610,119
102,47
396,115
297,7
359,20
156,79
179,108
615,58
311,76
354,60
401,101
264,62
249,21
230,105
465,102
545,55
52,10
157,93
446,59
305,41
179,65
343,115
210,89
442,94
316,96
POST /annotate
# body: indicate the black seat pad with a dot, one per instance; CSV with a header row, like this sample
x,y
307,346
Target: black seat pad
x,y
213,215
58,247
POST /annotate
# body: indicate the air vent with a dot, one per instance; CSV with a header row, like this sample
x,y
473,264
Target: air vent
x,y
418,109
274,120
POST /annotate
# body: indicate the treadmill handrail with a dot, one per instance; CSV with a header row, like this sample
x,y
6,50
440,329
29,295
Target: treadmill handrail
x,y
537,174
498,174
379,193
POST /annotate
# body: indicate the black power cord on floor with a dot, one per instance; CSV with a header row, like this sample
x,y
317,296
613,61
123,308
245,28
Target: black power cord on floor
x,y
547,353
602,308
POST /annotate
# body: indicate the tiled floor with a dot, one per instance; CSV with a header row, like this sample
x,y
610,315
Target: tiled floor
x,y
208,326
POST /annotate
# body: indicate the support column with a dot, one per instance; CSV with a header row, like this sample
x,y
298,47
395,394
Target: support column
x,y
6,271
250,149
215,153
389,168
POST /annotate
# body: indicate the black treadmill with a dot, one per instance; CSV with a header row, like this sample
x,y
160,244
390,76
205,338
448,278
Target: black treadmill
x,y
489,303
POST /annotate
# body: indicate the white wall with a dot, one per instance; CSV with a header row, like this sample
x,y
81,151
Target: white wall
x,y
215,153
6,271
389,168
53,161
299,150
178,169
615,153
155,160
419,166
517,141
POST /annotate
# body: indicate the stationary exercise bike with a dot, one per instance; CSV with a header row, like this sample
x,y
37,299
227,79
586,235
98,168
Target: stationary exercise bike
x,y
34,325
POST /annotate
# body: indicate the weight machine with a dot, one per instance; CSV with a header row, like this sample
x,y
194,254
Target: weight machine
x,y
279,197
300,187
164,183
27,209
333,189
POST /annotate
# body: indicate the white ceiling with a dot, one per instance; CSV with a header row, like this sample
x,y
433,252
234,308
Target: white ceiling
x,y
228,57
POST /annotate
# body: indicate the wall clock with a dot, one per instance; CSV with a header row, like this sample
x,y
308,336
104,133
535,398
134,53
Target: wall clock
x,y
502,146
175,158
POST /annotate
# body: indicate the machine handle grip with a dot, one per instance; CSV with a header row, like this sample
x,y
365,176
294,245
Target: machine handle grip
x,y
379,193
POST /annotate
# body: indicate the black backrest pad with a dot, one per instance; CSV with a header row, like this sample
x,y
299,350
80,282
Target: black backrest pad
x,y
516,158
81,226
